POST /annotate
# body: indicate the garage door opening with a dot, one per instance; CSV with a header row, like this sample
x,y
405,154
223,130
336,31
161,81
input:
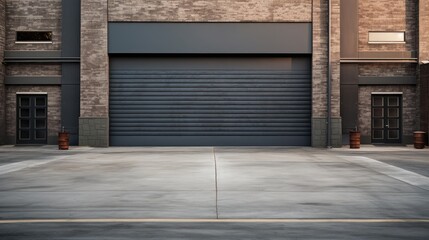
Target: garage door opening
x,y
210,101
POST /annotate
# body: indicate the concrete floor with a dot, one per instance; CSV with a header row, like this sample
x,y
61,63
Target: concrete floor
x,y
193,193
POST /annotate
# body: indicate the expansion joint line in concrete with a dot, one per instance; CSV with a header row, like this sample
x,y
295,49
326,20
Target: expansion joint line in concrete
x,y
207,220
216,190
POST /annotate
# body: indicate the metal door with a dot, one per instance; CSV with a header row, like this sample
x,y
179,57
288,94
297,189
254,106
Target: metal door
x,y
31,116
386,119
206,101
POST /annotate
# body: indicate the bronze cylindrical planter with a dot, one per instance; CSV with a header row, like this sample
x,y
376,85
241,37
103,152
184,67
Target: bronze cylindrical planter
x,y
355,139
63,140
419,139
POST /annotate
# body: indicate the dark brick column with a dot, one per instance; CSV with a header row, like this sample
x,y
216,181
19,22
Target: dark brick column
x,y
2,72
424,98
94,85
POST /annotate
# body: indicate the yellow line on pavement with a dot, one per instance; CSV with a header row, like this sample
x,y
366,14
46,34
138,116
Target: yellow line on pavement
x,y
172,220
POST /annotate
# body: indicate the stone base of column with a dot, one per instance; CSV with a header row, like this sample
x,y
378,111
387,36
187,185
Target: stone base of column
x,y
94,131
318,133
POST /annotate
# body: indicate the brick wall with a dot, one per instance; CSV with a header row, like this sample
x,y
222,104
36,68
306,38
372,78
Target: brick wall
x,y
94,63
320,58
424,55
388,15
209,10
54,108
2,72
94,68
387,69
320,73
94,100
335,58
94,85
33,15
424,30
33,69
408,107
424,98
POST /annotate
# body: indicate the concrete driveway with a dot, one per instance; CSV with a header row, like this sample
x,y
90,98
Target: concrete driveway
x,y
194,193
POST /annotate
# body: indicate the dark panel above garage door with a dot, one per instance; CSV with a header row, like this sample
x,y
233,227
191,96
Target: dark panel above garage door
x,y
214,101
212,38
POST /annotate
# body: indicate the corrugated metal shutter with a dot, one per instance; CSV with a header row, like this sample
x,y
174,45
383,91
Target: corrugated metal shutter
x,y
209,107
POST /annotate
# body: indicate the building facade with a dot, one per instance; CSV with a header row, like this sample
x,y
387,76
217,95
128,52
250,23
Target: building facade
x,y
210,73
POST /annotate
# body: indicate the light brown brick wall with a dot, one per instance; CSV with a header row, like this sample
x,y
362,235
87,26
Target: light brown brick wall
x,y
408,108
387,69
424,55
33,15
335,58
33,69
54,107
388,15
94,101
210,10
424,29
2,72
320,57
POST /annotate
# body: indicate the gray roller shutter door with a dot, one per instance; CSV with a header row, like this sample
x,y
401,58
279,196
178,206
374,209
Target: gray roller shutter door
x,y
210,101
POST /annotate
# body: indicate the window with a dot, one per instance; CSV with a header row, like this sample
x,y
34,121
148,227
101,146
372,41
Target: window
x,y
33,37
386,37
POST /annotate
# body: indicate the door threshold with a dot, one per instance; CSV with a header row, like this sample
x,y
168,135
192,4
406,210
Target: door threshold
x,y
30,145
389,144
